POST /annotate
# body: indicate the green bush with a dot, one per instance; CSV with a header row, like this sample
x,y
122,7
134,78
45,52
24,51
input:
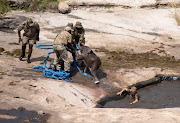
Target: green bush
x,y
4,8
42,5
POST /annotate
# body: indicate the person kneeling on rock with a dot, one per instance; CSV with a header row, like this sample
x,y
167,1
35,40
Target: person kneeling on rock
x,y
91,61
132,92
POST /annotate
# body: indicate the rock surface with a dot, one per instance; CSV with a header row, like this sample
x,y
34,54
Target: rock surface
x,y
64,7
129,3
115,29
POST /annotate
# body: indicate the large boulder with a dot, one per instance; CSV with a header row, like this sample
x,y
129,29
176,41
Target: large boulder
x,y
64,8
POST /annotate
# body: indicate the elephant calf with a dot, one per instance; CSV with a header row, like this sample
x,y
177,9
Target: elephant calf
x,y
91,61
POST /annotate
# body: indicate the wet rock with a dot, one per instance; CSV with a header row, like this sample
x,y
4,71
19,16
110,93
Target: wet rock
x,y
26,121
8,24
16,3
21,109
64,8
125,3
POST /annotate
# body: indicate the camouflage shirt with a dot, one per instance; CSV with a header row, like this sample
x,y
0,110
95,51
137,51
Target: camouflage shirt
x,y
63,38
29,31
79,33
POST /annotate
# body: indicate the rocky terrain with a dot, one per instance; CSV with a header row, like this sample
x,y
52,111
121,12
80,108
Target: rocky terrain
x,y
133,44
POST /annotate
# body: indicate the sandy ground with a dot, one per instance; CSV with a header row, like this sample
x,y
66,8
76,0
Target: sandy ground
x,y
115,29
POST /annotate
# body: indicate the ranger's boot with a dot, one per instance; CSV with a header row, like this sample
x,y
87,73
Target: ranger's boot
x,y
28,60
23,53
54,68
20,58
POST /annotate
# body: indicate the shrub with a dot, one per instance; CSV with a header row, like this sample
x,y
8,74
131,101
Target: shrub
x,y
176,13
4,8
42,5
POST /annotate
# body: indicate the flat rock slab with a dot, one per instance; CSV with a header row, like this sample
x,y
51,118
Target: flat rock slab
x,y
129,3
115,29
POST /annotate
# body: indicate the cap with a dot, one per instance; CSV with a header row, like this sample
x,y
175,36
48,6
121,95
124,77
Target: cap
x,y
30,22
68,28
78,24
70,25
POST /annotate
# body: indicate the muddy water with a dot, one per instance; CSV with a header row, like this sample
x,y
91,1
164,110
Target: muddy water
x,y
162,95
104,84
23,116
120,59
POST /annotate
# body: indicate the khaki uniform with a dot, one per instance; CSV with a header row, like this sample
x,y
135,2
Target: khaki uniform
x,y
30,32
59,46
79,35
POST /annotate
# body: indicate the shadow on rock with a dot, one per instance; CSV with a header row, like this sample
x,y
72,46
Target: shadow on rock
x,y
22,115
8,24
40,59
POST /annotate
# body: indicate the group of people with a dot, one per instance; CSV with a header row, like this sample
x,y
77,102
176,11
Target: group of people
x,y
65,42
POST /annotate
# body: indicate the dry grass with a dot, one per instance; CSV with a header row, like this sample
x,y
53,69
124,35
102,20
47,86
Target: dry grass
x,y
4,8
176,13
177,17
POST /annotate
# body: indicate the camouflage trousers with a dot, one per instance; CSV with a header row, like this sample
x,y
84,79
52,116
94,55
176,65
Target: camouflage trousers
x,y
61,54
27,40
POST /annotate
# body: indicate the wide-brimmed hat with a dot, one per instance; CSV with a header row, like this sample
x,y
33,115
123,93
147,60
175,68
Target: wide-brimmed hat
x,y
133,89
30,22
67,28
78,24
70,25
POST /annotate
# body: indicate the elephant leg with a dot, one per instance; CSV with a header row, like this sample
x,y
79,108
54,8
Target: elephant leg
x,y
85,70
94,72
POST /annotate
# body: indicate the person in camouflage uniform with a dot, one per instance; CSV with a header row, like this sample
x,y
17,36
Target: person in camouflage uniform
x,y
61,45
132,92
30,36
79,34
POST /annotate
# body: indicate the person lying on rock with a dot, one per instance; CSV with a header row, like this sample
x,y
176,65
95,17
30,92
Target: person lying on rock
x,y
91,61
132,92
30,36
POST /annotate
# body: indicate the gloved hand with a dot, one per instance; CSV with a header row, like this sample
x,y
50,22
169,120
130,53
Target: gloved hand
x,y
37,38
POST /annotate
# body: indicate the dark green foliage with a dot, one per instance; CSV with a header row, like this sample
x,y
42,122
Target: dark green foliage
x,y
43,5
4,8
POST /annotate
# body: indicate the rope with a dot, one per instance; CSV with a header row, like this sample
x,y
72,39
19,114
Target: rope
x,y
44,46
75,66
61,74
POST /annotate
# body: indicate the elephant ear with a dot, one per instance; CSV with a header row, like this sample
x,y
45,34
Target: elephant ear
x,y
85,50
